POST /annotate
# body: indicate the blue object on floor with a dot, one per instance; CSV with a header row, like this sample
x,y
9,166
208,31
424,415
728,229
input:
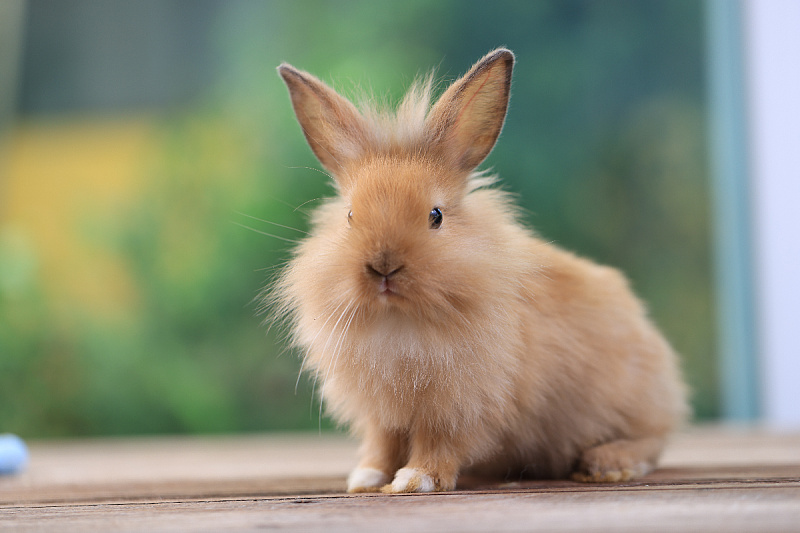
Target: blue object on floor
x,y
13,454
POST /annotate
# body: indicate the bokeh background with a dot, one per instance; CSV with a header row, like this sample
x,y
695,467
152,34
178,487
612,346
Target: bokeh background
x,y
143,145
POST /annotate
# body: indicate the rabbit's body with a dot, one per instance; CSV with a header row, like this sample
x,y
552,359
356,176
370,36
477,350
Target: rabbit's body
x,y
446,334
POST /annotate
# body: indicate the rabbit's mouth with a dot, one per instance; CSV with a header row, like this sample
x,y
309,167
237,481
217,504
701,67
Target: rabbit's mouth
x,y
387,287
385,276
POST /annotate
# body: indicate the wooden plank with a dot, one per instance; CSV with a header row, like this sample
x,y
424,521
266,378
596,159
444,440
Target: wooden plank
x,y
713,479
727,509
203,467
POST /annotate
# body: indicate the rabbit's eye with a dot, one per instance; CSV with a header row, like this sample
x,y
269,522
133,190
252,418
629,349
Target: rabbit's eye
x,y
435,218
350,217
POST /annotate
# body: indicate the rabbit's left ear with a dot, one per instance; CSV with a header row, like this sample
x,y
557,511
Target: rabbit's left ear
x,y
466,121
332,125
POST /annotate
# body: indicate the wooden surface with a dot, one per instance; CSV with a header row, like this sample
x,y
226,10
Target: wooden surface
x,y
711,479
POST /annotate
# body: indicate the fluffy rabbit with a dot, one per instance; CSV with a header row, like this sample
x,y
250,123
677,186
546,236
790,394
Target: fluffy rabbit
x,y
445,334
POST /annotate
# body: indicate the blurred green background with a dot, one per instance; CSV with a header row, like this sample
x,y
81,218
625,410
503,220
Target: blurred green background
x,y
139,138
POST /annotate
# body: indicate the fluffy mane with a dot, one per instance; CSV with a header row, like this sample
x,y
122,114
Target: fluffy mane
x,y
403,128
406,129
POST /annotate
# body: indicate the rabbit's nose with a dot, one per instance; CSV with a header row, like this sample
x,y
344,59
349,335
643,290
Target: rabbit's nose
x,y
384,265
383,273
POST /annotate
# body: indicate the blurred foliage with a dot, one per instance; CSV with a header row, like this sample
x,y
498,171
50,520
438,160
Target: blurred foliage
x,y
604,145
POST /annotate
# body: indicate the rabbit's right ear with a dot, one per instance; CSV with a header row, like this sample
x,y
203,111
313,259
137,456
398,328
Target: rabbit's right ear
x,y
332,125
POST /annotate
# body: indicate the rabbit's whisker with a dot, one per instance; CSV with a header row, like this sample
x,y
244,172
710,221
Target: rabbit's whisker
x,y
293,241
272,223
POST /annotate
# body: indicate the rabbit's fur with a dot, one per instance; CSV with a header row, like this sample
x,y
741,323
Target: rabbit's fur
x,y
444,333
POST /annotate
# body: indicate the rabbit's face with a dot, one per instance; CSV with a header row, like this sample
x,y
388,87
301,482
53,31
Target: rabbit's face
x,y
399,218
403,237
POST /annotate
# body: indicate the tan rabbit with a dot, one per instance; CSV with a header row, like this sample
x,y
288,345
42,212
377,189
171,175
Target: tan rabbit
x,y
444,333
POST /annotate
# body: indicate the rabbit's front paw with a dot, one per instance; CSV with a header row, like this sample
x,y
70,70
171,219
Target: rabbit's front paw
x,y
416,480
366,480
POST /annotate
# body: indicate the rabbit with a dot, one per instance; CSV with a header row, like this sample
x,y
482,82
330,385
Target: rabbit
x,y
445,334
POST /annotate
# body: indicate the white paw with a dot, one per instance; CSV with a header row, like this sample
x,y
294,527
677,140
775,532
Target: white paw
x,y
412,480
366,480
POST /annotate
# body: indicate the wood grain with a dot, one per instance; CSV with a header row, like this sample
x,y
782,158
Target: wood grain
x,y
712,479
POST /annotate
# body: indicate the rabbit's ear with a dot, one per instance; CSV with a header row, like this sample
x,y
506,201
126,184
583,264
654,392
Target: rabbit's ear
x,y
468,117
332,125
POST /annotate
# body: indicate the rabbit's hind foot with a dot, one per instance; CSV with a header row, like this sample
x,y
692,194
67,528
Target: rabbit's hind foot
x,y
619,460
